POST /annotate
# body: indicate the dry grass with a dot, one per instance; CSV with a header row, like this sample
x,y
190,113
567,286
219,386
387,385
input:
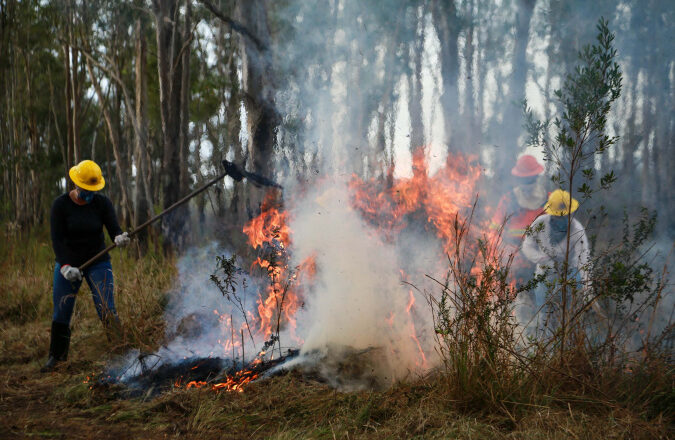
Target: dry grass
x,y
288,407
60,405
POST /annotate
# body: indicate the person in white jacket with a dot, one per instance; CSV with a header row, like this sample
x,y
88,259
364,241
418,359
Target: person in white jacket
x,y
546,246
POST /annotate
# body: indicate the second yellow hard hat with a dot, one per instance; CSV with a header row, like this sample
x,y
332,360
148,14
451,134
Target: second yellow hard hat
x,y
559,203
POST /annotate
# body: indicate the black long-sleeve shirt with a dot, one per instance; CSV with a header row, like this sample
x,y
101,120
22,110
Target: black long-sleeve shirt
x,y
77,230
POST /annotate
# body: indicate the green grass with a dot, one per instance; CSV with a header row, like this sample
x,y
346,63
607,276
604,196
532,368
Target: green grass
x,y
61,404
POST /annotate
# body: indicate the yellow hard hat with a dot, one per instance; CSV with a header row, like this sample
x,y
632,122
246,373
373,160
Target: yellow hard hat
x,y
87,175
559,203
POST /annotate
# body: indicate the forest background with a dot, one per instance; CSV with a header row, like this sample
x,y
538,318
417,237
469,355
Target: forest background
x,y
159,106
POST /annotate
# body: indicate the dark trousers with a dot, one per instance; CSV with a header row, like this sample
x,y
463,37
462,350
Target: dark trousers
x,y
99,277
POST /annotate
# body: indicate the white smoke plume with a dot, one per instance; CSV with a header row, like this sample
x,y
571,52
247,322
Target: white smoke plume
x,y
357,300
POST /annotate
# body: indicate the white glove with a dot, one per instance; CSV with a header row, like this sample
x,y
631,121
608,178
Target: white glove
x,y
122,239
71,273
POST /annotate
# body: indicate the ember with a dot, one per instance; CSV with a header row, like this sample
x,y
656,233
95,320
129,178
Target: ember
x,y
217,374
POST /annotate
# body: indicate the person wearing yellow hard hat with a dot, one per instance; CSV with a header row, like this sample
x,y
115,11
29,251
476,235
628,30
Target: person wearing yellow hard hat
x,y
77,220
546,245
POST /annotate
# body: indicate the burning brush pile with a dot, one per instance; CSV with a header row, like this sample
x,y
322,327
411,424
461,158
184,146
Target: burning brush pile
x,y
337,289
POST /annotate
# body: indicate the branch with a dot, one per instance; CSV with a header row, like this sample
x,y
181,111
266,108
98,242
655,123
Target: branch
x,y
145,10
186,44
234,25
114,75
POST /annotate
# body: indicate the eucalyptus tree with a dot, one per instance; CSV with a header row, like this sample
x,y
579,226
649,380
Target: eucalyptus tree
x,y
34,148
173,34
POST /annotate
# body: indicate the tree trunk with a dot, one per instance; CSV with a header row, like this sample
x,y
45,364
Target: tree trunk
x,y
33,211
667,146
169,68
201,199
69,114
510,128
184,134
142,198
646,156
185,101
75,88
415,86
262,118
237,209
466,133
17,140
448,27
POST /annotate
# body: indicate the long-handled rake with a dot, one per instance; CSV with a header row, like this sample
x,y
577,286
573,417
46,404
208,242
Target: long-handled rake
x,y
231,170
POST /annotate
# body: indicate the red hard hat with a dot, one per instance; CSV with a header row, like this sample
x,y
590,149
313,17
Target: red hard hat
x,y
527,166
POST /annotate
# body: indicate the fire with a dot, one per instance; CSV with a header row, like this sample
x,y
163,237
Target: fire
x,y
441,201
233,383
270,226
413,332
444,200
441,198
276,305
281,299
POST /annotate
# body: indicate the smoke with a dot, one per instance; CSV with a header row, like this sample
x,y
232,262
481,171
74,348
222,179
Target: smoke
x,y
347,90
339,65
199,320
357,301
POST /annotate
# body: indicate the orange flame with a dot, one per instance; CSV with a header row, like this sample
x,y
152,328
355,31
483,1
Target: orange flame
x,y
282,293
441,200
445,199
232,383
413,332
269,226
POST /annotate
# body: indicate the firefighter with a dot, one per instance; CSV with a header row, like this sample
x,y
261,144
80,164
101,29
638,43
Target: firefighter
x,y
77,220
520,207
546,244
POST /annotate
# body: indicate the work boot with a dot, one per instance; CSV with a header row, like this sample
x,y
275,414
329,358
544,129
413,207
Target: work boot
x,y
58,346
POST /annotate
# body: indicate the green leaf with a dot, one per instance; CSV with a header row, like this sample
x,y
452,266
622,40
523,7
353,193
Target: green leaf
x,y
607,180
